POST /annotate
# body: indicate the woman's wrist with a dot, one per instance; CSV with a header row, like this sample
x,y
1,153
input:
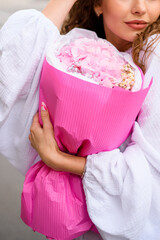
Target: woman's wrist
x,y
57,10
65,162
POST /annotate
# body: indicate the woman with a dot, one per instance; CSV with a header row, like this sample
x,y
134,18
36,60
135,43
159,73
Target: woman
x,y
126,204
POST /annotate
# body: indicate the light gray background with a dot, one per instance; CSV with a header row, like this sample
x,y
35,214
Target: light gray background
x,y
11,181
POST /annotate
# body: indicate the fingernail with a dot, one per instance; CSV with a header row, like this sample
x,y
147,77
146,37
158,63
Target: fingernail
x,y
43,106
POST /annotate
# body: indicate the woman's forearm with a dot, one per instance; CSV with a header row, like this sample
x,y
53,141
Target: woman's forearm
x,y
43,141
67,163
57,10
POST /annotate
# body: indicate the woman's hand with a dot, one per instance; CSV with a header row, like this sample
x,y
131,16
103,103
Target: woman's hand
x,y
42,138
43,141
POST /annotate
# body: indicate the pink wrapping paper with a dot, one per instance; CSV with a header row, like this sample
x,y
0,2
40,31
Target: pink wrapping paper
x,y
87,118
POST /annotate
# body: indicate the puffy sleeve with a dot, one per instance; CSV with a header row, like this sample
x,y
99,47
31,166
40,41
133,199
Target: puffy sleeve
x,y
122,187
23,42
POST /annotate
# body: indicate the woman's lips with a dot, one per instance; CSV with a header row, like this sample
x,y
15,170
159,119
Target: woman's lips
x,y
137,25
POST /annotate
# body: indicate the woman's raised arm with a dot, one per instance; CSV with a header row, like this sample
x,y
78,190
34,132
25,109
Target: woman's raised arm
x,y
57,10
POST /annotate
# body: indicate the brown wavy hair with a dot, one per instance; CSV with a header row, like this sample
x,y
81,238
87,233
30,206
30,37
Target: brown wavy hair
x,y
82,15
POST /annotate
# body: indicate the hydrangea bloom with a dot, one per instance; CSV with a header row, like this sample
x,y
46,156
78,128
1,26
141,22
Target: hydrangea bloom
x,y
98,60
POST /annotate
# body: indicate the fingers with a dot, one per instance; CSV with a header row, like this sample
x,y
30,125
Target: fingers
x,y
31,140
35,123
36,119
36,131
45,117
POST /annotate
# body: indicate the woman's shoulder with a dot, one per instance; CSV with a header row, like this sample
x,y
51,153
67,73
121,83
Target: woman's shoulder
x,y
153,51
154,37
153,44
152,62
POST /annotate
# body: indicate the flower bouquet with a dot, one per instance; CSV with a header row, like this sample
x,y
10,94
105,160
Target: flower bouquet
x,y
93,94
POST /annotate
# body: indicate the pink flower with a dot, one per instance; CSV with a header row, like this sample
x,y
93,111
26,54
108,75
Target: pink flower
x,y
96,59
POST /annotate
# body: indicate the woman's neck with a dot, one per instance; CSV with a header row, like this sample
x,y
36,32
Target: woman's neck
x,y
120,44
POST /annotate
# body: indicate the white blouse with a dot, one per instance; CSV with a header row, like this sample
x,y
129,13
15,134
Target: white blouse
x,y
121,186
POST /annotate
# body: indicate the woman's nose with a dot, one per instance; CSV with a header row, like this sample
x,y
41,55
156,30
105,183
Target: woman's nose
x,y
139,7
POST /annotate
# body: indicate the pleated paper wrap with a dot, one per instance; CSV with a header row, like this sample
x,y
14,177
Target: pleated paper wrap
x,y
87,118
